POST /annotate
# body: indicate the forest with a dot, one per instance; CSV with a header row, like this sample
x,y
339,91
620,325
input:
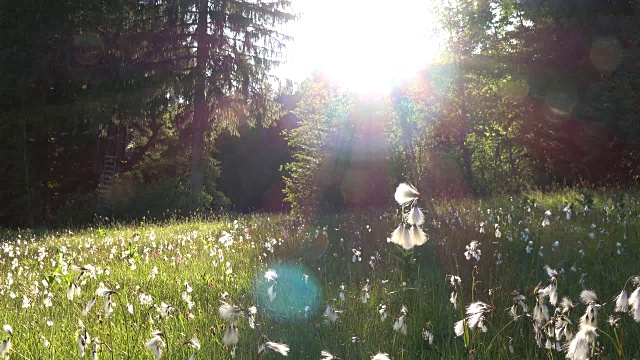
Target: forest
x,y
131,109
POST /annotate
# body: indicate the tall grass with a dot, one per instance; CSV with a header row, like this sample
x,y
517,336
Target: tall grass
x,y
195,265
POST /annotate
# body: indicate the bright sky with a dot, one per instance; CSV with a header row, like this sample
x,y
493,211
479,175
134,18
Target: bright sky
x,y
367,45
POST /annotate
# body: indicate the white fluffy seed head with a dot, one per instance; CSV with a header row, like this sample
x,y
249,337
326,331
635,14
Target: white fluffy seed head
x,y
621,302
406,193
282,349
415,216
588,297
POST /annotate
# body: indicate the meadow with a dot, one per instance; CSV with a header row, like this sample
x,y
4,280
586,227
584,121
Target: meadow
x,y
262,286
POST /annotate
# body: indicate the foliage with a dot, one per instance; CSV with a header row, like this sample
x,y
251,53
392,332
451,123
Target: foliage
x,y
172,277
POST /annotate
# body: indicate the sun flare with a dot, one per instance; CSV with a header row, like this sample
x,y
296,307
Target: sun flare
x,y
367,46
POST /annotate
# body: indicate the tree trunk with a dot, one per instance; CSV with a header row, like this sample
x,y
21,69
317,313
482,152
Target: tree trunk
x,y
200,113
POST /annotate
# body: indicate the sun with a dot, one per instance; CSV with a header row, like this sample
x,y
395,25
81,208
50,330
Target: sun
x,y
367,46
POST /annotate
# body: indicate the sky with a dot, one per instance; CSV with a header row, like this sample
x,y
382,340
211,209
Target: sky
x,y
366,46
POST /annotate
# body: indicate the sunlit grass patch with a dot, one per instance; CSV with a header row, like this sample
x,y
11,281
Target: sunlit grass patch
x,y
333,283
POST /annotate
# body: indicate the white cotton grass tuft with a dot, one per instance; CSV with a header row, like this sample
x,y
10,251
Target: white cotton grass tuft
x,y
8,329
622,304
417,237
588,297
73,291
401,236
566,306
271,275
475,315
5,348
231,336
458,327
227,311
473,250
87,306
282,349
104,291
194,343
83,339
95,349
580,346
330,314
552,291
155,345
401,325
414,216
634,304
381,356
406,193
383,312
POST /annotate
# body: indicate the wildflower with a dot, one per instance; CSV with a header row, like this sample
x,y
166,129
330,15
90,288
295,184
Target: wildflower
x,y
165,309
341,292
454,280
282,349
563,328
590,316
104,291
566,306
401,325
498,232
427,333
6,343
251,316
417,236
589,297
552,290
330,314
381,356
473,251
5,348
227,311
475,315
621,302
87,306
406,193
401,237
108,307
194,343
458,327
383,312
231,336
73,291
414,216
540,310
271,275
613,321
634,304
83,339
8,329
518,300
454,299
95,349
155,344
580,346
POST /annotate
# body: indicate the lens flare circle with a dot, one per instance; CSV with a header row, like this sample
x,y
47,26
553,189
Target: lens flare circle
x,y
295,296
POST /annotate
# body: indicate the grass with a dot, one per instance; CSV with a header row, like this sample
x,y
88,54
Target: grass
x,y
225,259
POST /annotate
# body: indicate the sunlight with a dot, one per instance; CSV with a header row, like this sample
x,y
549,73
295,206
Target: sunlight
x,y
366,46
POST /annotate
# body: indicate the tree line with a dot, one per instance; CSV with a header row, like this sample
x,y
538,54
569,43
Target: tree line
x,y
526,94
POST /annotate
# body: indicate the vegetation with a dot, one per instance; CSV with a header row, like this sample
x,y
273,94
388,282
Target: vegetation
x,y
173,277
525,95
